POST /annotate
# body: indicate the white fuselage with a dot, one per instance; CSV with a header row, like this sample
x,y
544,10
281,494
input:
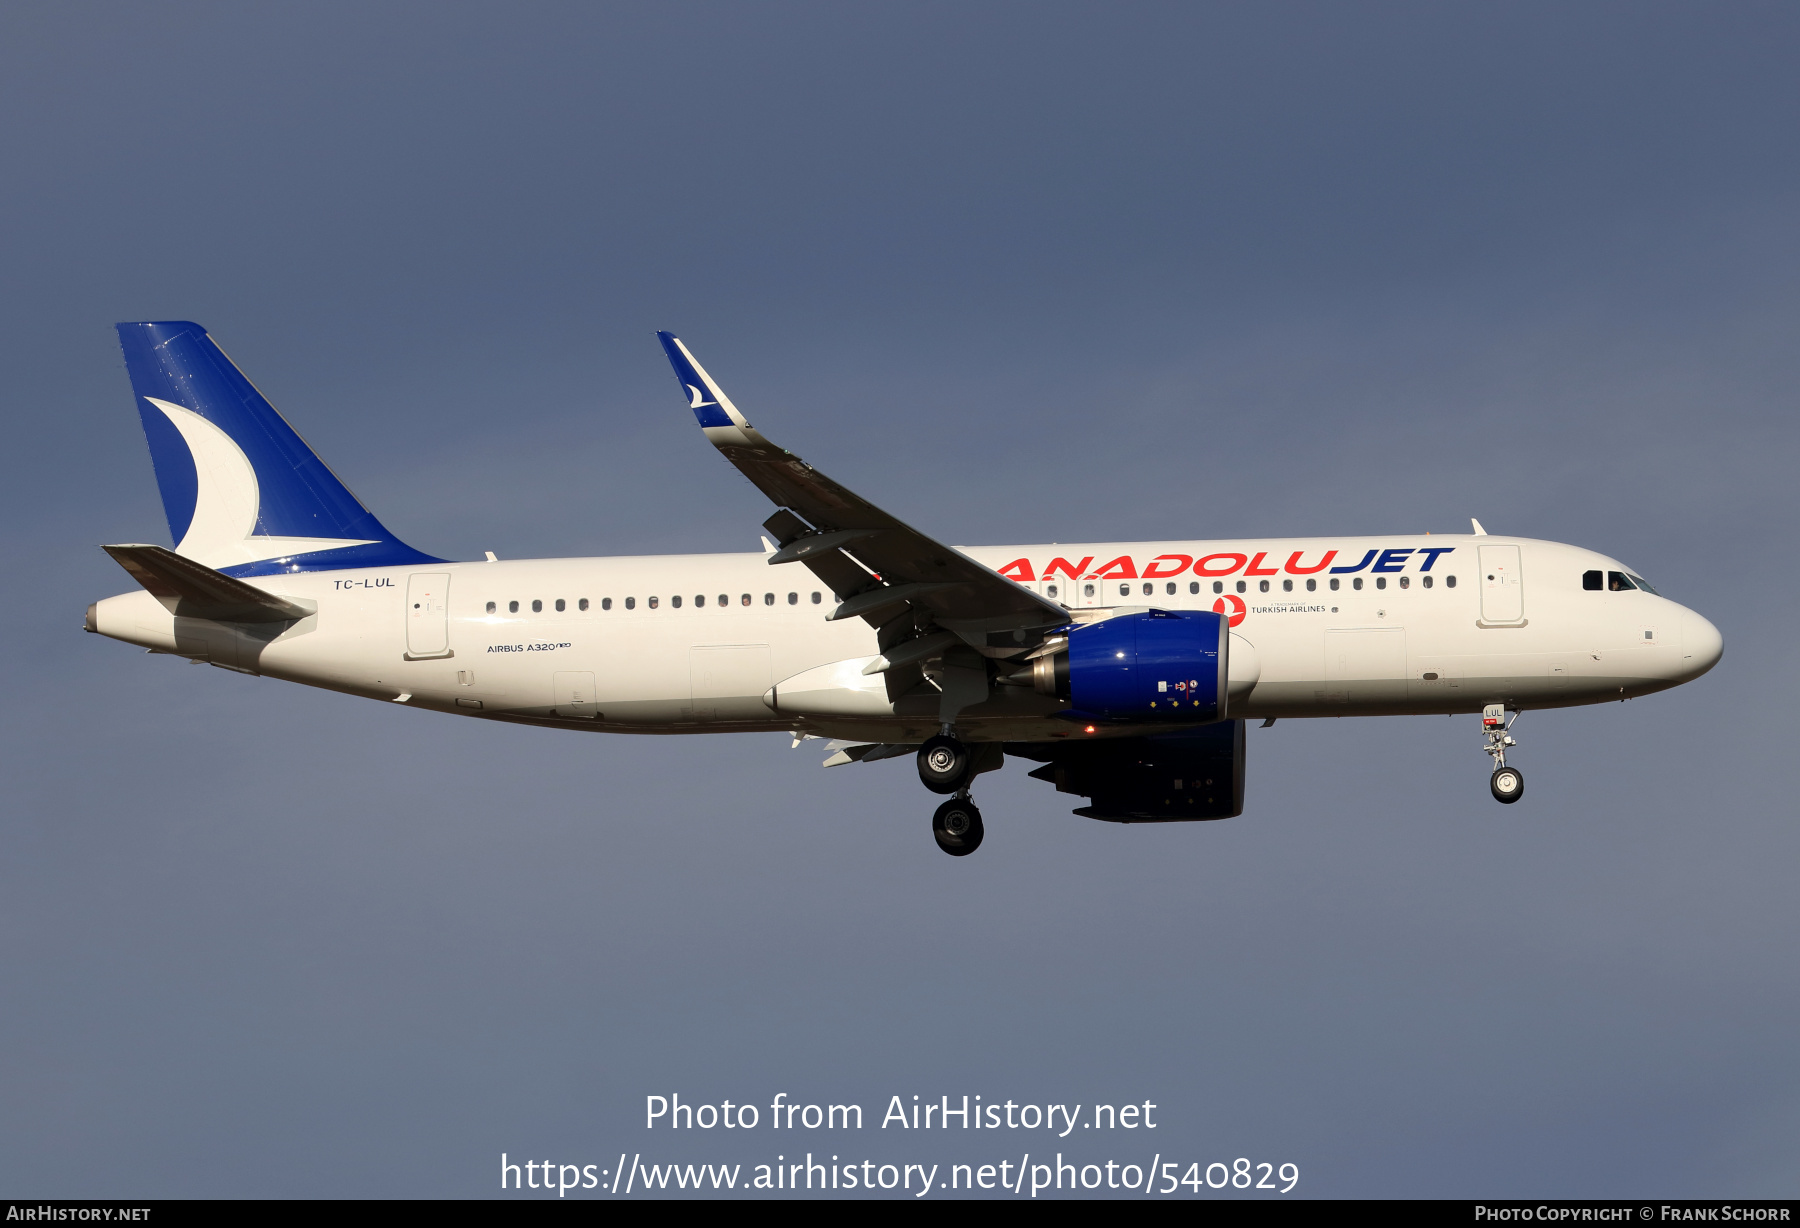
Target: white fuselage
x,y
724,642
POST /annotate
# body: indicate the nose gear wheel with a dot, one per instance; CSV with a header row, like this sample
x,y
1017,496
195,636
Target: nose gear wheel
x,y
1507,784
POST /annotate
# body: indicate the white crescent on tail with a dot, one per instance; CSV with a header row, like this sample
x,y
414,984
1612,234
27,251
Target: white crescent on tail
x,y
227,500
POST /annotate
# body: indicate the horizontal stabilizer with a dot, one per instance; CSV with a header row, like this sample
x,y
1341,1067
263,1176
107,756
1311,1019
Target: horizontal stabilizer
x,y
195,591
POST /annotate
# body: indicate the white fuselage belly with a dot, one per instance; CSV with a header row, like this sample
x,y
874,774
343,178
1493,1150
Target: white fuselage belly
x,y
703,667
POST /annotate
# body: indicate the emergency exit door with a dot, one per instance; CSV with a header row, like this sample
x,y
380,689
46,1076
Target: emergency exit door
x,y
428,616
1502,585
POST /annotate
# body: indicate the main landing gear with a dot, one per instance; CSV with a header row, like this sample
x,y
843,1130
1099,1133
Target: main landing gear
x,y
1507,784
943,764
946,766
957,826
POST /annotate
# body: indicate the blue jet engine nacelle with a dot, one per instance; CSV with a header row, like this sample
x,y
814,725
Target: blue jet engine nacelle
x,y
1153,667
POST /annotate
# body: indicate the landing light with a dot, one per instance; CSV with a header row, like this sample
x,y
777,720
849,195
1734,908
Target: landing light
x,y
1089,729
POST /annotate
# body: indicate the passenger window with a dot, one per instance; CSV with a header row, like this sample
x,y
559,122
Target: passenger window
x,y
512,607
1334,584
699,599
582,604
1148,589
675,602
746,599
1242,587
1193,586
1449,581
654,602
1405,581
1218,586
817,598
1262,586
1312,586
1380,581
1051,591
793,598
1087,590
1616,581
561,605
1590,581
491,607
1170,588
537,607
768,598
1287,586
606,603
1124,590
1356,583
724,600
631,603
1426,581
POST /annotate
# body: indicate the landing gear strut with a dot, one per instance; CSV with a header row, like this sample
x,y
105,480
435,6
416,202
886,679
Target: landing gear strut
x,y
957,826
1507,784
947,765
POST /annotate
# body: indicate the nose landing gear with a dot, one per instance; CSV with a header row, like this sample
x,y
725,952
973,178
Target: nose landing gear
x,y
1507,784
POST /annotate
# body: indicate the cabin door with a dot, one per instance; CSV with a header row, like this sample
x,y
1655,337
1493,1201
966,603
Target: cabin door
x,y
1502,585
428,615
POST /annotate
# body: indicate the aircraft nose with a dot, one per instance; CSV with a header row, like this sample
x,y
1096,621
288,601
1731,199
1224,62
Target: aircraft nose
x,y
1702,646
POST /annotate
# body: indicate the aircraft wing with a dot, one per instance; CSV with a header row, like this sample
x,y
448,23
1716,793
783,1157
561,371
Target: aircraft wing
x,y
880,568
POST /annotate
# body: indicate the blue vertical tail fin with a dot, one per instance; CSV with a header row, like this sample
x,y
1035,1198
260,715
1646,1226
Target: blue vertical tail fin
x,y
243,493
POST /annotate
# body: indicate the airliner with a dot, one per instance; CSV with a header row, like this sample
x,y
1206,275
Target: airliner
x,y
1126,671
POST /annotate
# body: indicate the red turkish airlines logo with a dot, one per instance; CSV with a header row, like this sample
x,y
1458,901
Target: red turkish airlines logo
x,y
1234,605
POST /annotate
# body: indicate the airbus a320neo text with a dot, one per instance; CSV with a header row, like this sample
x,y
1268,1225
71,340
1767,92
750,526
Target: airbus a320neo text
x,y
1125,671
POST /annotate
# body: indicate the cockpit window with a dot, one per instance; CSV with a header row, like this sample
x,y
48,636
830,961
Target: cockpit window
x,y
1618,583
1592,581
1641,582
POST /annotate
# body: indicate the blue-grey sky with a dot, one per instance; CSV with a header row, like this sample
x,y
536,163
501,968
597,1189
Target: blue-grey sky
x,y
1017,272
